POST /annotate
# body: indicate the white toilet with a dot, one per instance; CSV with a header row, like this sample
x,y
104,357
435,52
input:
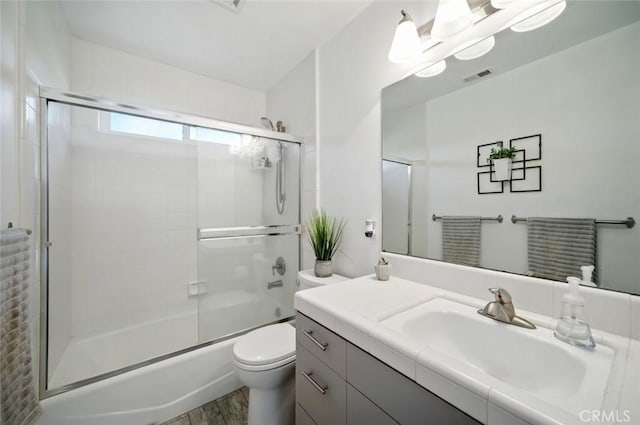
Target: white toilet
x,y
265,362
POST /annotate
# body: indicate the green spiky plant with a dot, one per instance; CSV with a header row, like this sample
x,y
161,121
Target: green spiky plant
x,y
502,153
325,234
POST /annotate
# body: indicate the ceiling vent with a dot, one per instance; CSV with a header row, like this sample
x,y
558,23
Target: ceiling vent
x,y
482,74
233,5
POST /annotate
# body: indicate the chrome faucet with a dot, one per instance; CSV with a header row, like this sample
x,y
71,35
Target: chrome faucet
x,y
502,310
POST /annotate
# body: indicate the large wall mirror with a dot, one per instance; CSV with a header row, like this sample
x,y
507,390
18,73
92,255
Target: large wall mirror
x,y
568,97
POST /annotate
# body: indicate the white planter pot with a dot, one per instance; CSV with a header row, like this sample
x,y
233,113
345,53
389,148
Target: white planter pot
x,y
502,169
323,268
383,271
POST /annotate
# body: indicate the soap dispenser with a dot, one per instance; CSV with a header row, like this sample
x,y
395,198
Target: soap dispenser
x,y
572,327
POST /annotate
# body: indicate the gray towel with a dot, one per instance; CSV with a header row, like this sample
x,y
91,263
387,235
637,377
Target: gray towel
x,y
558,247
461,240
19,403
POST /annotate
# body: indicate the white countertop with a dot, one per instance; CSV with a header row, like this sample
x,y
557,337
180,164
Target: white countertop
x,y
355,308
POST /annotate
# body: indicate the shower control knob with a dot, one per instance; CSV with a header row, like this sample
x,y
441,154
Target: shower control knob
x,y
280,266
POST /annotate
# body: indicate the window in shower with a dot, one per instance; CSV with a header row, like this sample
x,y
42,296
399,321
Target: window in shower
x,y
158,246
148,127
211,135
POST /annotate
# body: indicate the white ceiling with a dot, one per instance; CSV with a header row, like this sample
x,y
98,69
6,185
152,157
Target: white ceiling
x,y
253,48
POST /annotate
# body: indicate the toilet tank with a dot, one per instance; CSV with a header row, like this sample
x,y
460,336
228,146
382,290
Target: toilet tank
x,y
307,279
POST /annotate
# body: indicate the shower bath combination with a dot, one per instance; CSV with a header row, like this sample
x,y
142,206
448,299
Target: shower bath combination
x,y
281,192
181,236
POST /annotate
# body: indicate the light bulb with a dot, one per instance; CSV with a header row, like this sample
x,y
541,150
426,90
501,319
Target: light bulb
x,y
432,70
406,42
538,16
476,49
452,17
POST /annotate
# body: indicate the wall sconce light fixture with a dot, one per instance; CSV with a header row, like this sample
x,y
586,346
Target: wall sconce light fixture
x,y
466,30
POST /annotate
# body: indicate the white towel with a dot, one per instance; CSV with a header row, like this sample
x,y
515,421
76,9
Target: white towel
x,y
19,404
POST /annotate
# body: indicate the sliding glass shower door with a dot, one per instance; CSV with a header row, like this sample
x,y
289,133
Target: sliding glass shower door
x,y
161,235
248,248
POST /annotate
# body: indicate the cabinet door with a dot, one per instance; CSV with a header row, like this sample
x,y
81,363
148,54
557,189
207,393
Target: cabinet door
x,y
405,401
319,390
362,411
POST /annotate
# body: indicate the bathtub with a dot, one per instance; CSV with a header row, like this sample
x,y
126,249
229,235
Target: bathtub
x,y
162,390
151,394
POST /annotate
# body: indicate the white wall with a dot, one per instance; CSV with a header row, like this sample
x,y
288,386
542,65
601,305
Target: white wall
x,y
114,74
353,70
401,128
35,50
590,157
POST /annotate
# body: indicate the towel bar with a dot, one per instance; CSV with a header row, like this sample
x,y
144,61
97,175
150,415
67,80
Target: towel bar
x,y
498,218
629,222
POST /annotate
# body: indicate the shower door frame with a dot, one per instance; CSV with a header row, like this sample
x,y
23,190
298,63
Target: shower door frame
x,y
70,98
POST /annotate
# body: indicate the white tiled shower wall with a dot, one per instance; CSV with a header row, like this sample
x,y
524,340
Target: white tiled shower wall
x,y
134,216
60,209
141,199
35,50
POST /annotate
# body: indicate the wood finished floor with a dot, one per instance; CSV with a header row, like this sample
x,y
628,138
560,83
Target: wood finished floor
x,y
231,409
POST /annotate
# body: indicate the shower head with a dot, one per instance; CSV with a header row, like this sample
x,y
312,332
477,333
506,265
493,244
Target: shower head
x,y
266,123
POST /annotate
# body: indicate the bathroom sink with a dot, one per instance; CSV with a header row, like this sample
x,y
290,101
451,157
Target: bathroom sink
x,y
531,360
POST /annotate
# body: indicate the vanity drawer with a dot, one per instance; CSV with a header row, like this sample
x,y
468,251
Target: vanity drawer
x,y
324,344
302,417
362,411
401,398
319,390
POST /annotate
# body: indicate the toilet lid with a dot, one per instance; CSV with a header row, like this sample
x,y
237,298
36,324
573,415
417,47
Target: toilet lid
x,y
266,345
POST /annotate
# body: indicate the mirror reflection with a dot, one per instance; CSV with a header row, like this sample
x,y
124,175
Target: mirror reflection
x,y
566,99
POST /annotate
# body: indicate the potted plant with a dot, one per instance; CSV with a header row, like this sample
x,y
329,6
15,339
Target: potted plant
x,y
383,269
502,159
324,234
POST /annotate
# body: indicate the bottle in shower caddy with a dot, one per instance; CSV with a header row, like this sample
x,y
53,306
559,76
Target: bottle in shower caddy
x,y
572,327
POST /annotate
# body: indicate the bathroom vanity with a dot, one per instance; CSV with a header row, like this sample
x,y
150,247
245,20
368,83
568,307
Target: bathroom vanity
x,y
402,352
338,383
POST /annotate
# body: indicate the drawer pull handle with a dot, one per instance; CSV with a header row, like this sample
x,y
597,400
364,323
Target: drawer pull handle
x,y
322,389
322,345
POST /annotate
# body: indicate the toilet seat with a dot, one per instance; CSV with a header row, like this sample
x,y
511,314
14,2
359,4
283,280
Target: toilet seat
x,y
266,348
265,367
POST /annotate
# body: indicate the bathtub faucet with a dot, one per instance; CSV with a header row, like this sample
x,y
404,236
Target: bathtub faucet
x,y
275,284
